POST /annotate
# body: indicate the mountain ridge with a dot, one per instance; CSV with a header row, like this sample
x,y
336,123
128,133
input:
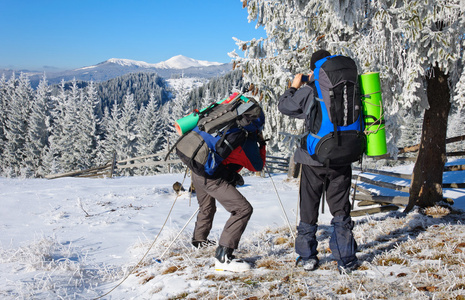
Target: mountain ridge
x,y
114,67
175,62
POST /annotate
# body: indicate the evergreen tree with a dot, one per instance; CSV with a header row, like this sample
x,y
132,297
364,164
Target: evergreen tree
x,y
86,126
414,44
18,104
109,145
127,128
121,137
68,142
150,133
38,129
178,107
3,97
53,153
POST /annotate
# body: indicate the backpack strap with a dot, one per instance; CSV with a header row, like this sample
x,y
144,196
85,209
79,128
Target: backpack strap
x,y
334,114
316,74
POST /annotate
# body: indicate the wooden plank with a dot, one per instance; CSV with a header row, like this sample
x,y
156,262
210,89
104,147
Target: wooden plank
x,y
281,159
374,210
72,174
367,203
455,139
276,168
457,153
454,168
276,162
453,185
414,148
149,164
400,200
388,157
361,189
141,157
388,185
380,172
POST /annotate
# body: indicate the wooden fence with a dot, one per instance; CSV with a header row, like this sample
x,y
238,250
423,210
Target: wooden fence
x,y
392,202
274,164
109,168
278,164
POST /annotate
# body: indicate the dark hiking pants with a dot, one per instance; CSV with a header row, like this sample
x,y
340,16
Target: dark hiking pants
x,y
338,181
207,190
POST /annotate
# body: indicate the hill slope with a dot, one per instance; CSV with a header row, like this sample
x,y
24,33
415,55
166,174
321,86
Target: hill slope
x,y
83,236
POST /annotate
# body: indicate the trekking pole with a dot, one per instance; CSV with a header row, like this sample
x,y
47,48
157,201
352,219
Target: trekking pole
x,y
158,260
280,202
146,252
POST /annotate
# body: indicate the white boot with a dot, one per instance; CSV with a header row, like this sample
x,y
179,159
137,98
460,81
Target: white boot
x,y
225,261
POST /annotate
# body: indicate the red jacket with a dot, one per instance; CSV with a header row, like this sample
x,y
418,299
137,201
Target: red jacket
x,y
249,155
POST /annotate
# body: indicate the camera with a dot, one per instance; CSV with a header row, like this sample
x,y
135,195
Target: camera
x,y
304,78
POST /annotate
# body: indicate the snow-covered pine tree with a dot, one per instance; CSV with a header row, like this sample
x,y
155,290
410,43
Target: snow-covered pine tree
x,y
3,93
38,129
150,132
417,46
50,163
53,153
68,142
126,131
86,136
106,147
178,107
18,104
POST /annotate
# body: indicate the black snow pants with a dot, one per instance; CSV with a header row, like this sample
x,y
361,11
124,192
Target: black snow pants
x,y
338,181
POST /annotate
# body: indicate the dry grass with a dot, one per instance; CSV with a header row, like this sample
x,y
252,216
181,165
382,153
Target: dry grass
x,y
436,211
402,256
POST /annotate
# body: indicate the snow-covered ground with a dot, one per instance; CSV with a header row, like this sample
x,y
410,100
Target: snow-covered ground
x,y
75,238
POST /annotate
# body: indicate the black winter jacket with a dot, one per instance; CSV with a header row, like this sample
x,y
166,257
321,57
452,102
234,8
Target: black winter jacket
x,y
296,103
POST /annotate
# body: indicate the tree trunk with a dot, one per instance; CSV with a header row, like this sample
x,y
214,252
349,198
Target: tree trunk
x,y
426,185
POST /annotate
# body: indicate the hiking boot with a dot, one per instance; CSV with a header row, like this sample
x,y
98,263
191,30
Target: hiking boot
x,y
203,244
225,261
310,264
349,268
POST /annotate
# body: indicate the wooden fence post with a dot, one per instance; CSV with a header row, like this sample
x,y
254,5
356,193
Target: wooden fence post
x,y
113,165
294,168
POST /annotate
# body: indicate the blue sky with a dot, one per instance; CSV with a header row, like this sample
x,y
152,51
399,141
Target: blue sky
x,y
70,34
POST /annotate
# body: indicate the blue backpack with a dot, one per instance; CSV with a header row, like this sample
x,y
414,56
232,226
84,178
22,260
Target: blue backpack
x,y
220,129
335,120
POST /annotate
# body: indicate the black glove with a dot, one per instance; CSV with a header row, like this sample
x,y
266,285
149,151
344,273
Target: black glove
x,y
233,178
261,140
237,180
229,174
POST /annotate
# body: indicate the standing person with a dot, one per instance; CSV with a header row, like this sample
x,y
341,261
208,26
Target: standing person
x,y
222,187
316,179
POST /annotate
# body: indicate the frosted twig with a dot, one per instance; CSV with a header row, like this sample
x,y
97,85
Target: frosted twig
x,y
80,205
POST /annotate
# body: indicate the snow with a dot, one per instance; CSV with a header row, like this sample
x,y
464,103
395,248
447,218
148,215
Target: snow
x,y
183,62
80,238
175,62
186,83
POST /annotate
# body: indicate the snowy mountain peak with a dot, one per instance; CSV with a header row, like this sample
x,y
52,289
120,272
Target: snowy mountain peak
x,y
183,62
122,62
176,62
129,63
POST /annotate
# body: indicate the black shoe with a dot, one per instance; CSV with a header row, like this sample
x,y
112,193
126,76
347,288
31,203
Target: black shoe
x,y
310,264
203,244
349,268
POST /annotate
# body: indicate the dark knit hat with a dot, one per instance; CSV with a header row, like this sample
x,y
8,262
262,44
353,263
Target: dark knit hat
x,y
316,56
